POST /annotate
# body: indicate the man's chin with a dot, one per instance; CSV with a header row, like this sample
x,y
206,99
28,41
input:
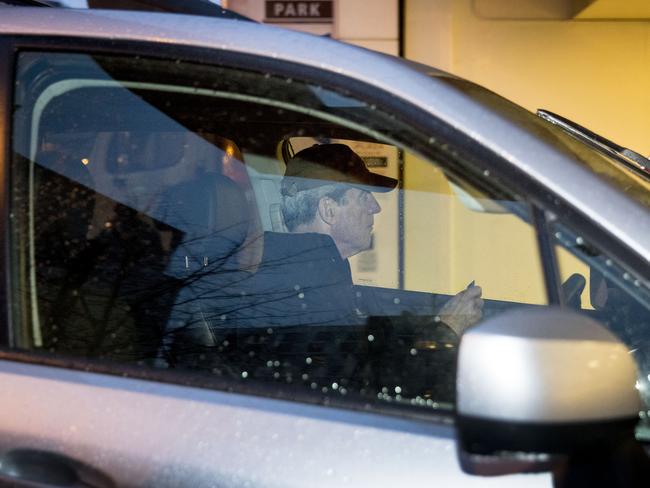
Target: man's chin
x,y
360,250
368,244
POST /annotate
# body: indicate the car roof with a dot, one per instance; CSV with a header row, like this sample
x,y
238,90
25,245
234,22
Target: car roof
x,y
430,90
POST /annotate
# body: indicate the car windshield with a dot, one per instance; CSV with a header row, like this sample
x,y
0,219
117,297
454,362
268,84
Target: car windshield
x,y
608,168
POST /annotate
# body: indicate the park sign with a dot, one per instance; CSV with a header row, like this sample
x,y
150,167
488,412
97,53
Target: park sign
x,y
294,11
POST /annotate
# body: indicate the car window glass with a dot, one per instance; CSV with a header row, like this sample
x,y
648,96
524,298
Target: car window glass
x,y
153,224
596,284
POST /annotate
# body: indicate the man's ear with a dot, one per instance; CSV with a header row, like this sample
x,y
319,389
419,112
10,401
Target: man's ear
x,y
327,210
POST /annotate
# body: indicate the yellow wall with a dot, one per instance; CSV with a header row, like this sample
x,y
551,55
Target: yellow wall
x,y
593,71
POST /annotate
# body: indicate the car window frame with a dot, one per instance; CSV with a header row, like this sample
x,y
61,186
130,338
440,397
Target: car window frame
x,y
6,97
461,146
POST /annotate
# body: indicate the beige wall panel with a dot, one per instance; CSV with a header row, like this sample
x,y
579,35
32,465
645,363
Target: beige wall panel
x,y
428,33
361,19
250,8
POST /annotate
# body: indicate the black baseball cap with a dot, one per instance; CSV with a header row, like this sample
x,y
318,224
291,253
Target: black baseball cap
x,y
326,164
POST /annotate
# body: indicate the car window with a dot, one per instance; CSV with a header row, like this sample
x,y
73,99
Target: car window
x,y
153,224
596,284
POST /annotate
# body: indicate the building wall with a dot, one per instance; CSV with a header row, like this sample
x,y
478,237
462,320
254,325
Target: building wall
x,y
594,71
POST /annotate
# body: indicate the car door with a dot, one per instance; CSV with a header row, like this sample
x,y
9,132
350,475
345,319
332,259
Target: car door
x,y
143,178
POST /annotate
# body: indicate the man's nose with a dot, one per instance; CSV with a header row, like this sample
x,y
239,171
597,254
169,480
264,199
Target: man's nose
x,y
374,206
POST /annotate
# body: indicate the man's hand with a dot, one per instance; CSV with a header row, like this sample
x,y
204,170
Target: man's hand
x,y
463,310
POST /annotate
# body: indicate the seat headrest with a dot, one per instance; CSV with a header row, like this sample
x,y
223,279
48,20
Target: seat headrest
x,y
212,213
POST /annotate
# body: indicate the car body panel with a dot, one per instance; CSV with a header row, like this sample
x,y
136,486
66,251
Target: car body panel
x,y
151,434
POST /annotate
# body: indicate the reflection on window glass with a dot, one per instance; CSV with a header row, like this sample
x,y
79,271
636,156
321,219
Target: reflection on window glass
x,y
252,228
595,284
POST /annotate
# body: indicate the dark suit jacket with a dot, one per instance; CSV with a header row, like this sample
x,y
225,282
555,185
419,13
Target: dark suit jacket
x,y
301,280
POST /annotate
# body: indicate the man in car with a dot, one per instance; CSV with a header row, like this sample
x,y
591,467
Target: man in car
x,y
328,208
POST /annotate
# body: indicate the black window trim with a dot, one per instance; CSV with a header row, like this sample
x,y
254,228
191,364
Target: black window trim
x,y
6,96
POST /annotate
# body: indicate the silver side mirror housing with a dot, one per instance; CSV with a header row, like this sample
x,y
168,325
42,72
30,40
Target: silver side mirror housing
x,y
543,381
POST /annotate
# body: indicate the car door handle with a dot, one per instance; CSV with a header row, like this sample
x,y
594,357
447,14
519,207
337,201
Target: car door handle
x,y
31,468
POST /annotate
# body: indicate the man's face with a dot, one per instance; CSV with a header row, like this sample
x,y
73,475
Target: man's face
x,y
352,228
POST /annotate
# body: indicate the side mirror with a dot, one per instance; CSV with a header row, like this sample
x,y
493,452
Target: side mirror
x,y
540,382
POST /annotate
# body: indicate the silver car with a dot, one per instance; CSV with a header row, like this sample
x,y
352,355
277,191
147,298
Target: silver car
x,y
153,338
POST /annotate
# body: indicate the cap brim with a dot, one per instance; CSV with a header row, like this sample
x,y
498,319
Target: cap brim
x,y
371,182
380,183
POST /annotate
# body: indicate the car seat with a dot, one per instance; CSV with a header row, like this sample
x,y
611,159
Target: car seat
x,y
266,180
214,231
211,214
